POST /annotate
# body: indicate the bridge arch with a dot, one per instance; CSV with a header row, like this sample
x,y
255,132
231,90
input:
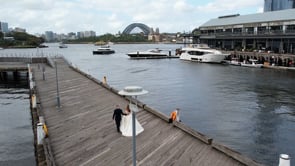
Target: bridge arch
x,y
146,30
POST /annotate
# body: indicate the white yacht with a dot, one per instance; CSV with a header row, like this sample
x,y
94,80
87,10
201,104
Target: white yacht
x,y
202,53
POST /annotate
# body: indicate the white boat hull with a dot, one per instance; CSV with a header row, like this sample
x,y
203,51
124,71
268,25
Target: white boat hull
x,y
207,58
252,65
202,53
149,54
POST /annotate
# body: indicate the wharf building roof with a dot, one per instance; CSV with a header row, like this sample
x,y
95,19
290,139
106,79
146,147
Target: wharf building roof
x,y
275,16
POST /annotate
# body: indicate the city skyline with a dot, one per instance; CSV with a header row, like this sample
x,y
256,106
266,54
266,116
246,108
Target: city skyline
x,y
110,16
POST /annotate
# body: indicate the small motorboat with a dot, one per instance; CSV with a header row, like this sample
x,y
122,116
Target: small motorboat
x,y
62,45
104,50
252,63
232,61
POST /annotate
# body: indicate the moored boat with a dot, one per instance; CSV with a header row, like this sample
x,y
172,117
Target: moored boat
x,y
62,45
233,61
104,50
202,53
149,54
252,63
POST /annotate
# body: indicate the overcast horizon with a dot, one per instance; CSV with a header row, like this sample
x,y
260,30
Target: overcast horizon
x,y
64,16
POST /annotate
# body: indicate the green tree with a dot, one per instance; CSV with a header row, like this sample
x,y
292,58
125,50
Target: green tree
x,y
112,38
21,39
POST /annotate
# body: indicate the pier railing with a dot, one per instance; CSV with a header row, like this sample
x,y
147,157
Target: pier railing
x,y
30,57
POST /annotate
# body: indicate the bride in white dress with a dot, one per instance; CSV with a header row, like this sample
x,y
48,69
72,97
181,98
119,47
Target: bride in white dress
x,y
126,124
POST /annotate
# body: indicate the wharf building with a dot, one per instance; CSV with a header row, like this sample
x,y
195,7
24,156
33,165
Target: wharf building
x,y
269,31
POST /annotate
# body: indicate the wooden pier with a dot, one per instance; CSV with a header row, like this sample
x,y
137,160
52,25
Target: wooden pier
x,y
82,132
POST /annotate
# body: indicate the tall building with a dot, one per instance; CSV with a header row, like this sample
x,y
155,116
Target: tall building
x,y
89,34
49,36
4,27
274,5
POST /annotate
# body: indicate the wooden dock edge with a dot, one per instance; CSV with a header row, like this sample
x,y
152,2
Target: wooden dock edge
x,y
235,155
193,132
43,153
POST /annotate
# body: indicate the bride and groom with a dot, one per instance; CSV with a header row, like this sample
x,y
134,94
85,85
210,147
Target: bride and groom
x,y
124,123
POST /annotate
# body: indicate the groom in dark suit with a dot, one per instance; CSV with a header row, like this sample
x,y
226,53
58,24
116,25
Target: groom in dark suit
x,y
117,116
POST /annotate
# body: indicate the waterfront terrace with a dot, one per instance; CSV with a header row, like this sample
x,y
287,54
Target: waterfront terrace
x,y
81,131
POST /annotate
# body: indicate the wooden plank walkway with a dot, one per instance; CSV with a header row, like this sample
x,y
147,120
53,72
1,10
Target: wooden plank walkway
x,y
83,133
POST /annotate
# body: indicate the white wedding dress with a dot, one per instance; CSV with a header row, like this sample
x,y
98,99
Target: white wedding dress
x,y
126,126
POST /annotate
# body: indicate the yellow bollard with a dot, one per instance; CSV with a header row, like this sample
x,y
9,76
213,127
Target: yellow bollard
x,y
104,81
45,130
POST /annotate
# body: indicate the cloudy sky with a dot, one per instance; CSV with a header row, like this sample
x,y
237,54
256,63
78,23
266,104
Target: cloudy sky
x,y
112,16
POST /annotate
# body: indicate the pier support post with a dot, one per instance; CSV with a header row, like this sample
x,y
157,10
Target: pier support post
x,y
2,76
15,75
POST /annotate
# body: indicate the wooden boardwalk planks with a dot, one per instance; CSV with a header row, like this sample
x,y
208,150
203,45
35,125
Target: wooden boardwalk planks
x,y
83,132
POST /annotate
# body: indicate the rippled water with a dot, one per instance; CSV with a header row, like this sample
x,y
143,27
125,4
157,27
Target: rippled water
x,y
16,134
250,110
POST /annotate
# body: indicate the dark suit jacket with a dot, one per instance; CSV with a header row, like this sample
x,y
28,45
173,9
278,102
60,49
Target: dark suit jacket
x,y
117,114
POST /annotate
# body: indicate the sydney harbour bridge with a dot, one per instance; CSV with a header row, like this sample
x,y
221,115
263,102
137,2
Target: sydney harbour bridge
x,y
145,29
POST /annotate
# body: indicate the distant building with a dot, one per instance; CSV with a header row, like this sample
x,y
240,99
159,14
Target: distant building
x,y
154,36
49,36
18,29
274,5
86,34
71,36
4,27
89,34
61,37
157,31
272,31
80,35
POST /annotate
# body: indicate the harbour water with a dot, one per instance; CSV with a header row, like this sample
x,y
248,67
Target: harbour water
x,y
16,134
249,110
